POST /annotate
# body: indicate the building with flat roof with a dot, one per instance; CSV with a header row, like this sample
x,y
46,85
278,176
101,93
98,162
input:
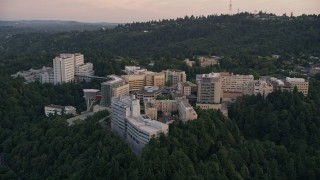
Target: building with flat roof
x,y
114,87
187,88
134,70
189,63
301,84
175,76
186,111
262,87
66,66
43,75
209,88
59,110
209,91
135,128
150,109
139,81
237,83
148,92
63,68
208,61
166,106
288,84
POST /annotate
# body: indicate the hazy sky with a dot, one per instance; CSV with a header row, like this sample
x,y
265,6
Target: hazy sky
x,y
142,10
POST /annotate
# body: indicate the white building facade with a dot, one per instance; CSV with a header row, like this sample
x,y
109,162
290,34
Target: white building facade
x,y
63,68
135,128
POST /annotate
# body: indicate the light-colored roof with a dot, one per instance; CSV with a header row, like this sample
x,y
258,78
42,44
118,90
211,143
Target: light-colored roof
x,y
113,79
90,90
296,80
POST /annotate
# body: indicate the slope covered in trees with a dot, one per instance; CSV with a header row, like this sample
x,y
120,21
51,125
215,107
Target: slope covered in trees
x,y
264,139
239,36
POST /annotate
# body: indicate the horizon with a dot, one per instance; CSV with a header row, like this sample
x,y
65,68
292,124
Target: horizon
x,y
13,20
127,11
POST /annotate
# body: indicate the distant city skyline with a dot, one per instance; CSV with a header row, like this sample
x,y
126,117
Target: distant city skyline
x,y
122,11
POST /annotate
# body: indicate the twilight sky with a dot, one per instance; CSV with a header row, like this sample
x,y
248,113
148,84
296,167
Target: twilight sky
x,y
142,10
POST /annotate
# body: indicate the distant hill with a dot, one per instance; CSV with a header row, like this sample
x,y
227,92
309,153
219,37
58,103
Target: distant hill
x,y
49,26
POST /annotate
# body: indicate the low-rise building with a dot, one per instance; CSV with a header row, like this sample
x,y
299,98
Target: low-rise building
x,y
134,70
186,111
262,87
184,88
301,84
189,63
43,75
59,110
208,61
288,84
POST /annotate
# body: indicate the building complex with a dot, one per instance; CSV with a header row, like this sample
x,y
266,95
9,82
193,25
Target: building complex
x,y
66,66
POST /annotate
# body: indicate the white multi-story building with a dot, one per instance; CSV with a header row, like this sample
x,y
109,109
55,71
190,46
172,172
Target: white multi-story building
x,y
78,59
84,69
137,129
43,75
63,68
66,66
46,77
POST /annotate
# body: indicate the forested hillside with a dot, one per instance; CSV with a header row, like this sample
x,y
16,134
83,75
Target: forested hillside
x,y
265,139
239,37
272,138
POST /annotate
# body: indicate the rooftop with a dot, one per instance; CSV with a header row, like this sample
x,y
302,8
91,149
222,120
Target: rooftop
x,y
55,106
113,79
90,90
296,80
144,123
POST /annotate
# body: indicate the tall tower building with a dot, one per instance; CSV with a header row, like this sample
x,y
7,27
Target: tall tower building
x,y
209,88
114,87
63,68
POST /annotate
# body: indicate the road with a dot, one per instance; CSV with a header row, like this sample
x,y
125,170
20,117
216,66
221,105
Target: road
x,y
79,117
